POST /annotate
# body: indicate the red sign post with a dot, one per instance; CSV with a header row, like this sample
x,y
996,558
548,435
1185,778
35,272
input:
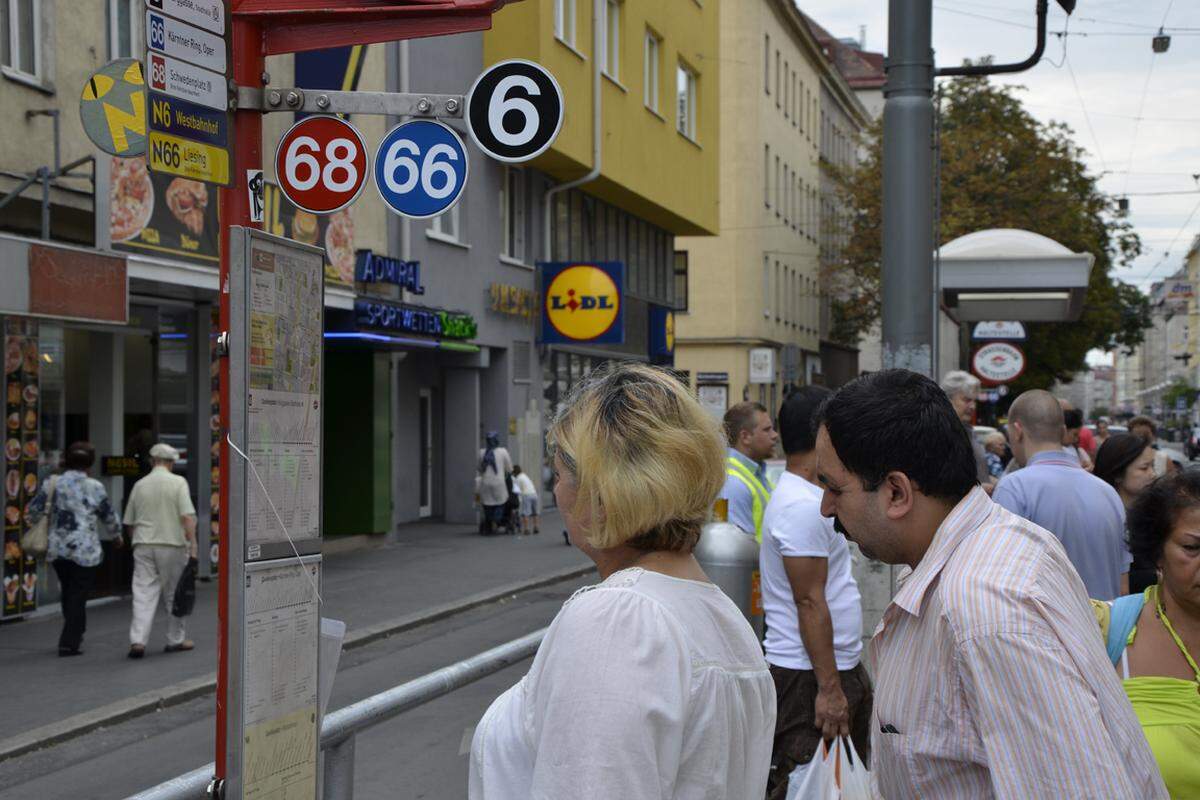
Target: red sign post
x,y
260,28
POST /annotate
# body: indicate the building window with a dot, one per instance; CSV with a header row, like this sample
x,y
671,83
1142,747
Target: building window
x,y
787,101
681,280
20,36
512,209
778,293
778,187
766,286
650,71
124,28
777,79
767,175
564,21
787,199
795,99
612,40
446,225
685,88
767,63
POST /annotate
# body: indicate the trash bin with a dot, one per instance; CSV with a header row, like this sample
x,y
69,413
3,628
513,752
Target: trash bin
x,y
729,556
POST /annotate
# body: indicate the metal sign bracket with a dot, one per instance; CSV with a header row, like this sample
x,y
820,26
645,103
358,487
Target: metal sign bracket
x,y
314,101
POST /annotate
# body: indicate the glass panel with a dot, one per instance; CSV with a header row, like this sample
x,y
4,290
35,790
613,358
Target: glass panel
x,y
124,37
175,391
51,397
26,32
576,369
424,430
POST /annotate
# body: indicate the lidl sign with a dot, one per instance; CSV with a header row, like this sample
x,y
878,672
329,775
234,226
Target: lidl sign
x,y
662,331
583,302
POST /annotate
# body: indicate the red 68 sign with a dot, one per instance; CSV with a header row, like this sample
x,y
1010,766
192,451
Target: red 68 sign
x,y
321,164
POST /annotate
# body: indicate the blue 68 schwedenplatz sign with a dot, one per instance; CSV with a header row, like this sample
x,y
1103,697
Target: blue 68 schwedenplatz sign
x,y
421,168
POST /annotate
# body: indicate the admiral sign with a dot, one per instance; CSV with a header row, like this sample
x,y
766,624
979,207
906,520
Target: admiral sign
x,y
998,362
583,302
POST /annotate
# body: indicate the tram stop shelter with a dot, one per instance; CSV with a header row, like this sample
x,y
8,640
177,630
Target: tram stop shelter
x,y
1006,273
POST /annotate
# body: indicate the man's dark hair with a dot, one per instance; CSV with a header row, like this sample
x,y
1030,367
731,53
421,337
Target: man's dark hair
x,y
1142,421
796,415
1115,456
900,421
741,418
1154,513
80,455
1072,418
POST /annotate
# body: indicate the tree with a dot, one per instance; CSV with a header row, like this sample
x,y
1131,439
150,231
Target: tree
x,y
1000,168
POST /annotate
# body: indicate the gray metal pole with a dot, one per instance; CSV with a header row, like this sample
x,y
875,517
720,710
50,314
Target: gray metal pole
x,y
908,188
339,771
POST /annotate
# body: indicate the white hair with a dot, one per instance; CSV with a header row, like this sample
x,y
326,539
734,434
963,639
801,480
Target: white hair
x,y
958,382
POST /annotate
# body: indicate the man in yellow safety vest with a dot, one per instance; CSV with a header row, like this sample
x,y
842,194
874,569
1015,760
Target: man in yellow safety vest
x,y
752,440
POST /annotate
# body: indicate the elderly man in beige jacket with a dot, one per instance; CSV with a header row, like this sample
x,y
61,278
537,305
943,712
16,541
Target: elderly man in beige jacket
x,y
161,521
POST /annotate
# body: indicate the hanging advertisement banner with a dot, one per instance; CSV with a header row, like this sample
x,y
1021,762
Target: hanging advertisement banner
x,y
998,362
583,302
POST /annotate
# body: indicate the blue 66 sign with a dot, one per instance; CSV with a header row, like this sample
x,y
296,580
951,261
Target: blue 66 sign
x,y
421,168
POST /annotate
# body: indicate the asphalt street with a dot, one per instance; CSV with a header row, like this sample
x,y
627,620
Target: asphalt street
x,y
420,754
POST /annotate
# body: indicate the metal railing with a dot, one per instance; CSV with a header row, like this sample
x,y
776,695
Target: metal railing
x,y
339,728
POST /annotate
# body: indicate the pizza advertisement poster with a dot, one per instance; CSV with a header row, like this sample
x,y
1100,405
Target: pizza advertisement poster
x,y
21,457
156,214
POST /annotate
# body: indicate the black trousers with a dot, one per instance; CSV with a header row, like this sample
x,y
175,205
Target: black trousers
x,y
76,582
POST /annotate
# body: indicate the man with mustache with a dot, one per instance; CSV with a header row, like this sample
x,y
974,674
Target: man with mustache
x,y
988,681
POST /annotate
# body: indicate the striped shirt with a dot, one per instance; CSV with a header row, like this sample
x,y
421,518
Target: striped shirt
x,y
990,679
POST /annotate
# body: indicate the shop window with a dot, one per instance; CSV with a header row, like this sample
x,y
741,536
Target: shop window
x,y
512,207
564,21
611,63
124,28
681,280
650,71
521,362
685,87
20,37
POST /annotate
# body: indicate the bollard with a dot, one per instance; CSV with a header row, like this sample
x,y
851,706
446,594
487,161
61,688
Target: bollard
x,y
729,556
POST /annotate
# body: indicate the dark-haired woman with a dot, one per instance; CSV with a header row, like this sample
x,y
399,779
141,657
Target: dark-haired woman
x,y
80,516
1126,462
1153,638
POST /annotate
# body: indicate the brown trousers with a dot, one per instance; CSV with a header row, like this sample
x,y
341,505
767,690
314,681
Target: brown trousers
x,y
796,737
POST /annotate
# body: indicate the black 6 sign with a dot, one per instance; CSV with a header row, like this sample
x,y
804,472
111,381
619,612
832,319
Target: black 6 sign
x,y
514,110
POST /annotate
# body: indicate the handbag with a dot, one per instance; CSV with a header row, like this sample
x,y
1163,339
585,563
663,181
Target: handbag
x,y
36,539
185,591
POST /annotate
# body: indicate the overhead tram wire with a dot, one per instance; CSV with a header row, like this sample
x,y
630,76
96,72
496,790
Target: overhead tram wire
x,y
1167,253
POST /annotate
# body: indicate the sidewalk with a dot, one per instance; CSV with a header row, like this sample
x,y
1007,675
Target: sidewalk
x,y
430,564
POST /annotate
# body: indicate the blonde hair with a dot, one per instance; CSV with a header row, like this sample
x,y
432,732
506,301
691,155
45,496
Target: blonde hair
x,y
647,460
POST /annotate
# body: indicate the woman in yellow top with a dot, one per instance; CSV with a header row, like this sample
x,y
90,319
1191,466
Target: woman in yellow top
x,y
1153,638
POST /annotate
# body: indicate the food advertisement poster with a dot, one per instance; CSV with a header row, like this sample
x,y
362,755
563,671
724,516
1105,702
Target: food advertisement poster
x,y
21,429
156,214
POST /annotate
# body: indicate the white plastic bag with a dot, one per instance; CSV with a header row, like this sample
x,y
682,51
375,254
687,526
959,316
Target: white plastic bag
x,y
851,773
834,773
815,780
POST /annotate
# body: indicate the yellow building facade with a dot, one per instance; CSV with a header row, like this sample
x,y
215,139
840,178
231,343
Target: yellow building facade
x,y
754,290
653,165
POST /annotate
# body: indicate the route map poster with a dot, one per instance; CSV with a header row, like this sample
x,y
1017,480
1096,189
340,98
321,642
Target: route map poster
x,y
285,307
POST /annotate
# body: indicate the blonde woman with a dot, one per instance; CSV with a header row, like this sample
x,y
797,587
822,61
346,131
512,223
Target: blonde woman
x,y
650,684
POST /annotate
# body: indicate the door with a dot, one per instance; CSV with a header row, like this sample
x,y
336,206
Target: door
x,y
425,443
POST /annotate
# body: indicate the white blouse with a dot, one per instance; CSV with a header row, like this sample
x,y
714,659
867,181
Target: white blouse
x,y
646,686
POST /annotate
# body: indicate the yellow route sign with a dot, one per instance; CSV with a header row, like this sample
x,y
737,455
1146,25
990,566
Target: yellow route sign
x,y
188,159
112,107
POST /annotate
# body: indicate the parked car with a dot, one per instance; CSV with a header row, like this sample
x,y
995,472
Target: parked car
x,y
983,431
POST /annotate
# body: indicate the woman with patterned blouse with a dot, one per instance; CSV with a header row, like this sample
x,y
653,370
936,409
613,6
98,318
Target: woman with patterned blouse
x,y
80,516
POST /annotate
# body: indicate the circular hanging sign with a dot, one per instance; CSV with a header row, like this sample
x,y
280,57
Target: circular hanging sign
x,y
421,168
321,164
514,110
998,362
112,107
582,302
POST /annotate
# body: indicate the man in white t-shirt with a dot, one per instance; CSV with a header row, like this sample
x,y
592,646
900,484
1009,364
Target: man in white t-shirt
x,y
523,485
813,609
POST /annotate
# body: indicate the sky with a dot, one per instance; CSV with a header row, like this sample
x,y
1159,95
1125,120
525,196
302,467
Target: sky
x,y
1099,79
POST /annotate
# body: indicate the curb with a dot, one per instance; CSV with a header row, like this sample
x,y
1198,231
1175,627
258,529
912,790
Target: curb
x,y
159,699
